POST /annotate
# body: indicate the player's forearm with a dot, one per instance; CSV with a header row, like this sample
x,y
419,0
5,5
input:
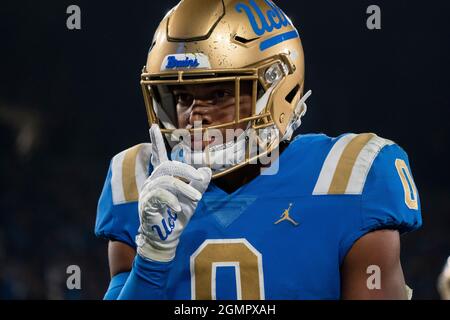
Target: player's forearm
x,y
147,280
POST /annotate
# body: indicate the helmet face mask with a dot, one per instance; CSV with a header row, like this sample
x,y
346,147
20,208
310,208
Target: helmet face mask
x,y
211,104
223,44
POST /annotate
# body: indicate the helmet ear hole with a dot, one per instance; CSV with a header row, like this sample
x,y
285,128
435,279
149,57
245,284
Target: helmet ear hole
x,y
292,94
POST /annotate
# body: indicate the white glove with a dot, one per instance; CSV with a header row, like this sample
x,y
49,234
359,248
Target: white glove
x,y
166,203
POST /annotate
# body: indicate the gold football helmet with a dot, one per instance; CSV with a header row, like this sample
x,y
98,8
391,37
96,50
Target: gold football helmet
x,y
206,41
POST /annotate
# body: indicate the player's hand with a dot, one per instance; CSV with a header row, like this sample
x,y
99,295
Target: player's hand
x,y
167,202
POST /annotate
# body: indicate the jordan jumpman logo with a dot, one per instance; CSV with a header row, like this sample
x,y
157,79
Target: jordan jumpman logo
x,y
285,216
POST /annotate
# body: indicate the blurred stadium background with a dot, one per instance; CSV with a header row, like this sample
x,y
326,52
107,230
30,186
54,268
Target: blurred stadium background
x,y
70,100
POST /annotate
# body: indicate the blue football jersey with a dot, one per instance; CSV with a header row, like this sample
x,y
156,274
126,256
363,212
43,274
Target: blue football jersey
x,y
281,236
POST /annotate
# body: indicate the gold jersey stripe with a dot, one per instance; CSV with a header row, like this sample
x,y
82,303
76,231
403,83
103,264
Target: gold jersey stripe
x,y
130,189
346,162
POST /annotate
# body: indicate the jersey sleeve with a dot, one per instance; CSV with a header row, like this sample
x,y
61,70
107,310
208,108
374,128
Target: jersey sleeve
x,y
390,198
117,210
388,195
369,180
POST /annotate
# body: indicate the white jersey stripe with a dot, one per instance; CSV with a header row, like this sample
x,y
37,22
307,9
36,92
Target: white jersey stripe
x,y
118,195
364,163
330,164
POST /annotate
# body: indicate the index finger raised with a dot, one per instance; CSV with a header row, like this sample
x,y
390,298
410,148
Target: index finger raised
x,y
159,153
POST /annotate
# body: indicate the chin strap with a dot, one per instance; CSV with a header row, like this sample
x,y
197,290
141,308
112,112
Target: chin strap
x,y
296,119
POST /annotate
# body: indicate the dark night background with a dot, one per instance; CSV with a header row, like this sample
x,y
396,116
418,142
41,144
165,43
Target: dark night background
x,y
70,100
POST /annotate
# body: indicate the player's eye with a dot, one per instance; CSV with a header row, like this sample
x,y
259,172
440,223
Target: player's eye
x,y
221,95
184,98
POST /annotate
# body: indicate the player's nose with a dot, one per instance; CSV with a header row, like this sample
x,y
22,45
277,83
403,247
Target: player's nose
x,y
200,113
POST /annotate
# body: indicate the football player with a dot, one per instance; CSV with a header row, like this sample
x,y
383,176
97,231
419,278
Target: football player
x,y
199,213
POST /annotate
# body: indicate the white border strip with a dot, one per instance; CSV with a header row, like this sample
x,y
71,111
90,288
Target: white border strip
x,y
330,164
364,163
118,195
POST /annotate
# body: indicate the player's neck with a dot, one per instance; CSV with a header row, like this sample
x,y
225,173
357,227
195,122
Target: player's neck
x,y
236,179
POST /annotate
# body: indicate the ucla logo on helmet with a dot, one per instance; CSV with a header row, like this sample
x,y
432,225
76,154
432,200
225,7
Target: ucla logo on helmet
x,y
273,19
262,23
185,61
